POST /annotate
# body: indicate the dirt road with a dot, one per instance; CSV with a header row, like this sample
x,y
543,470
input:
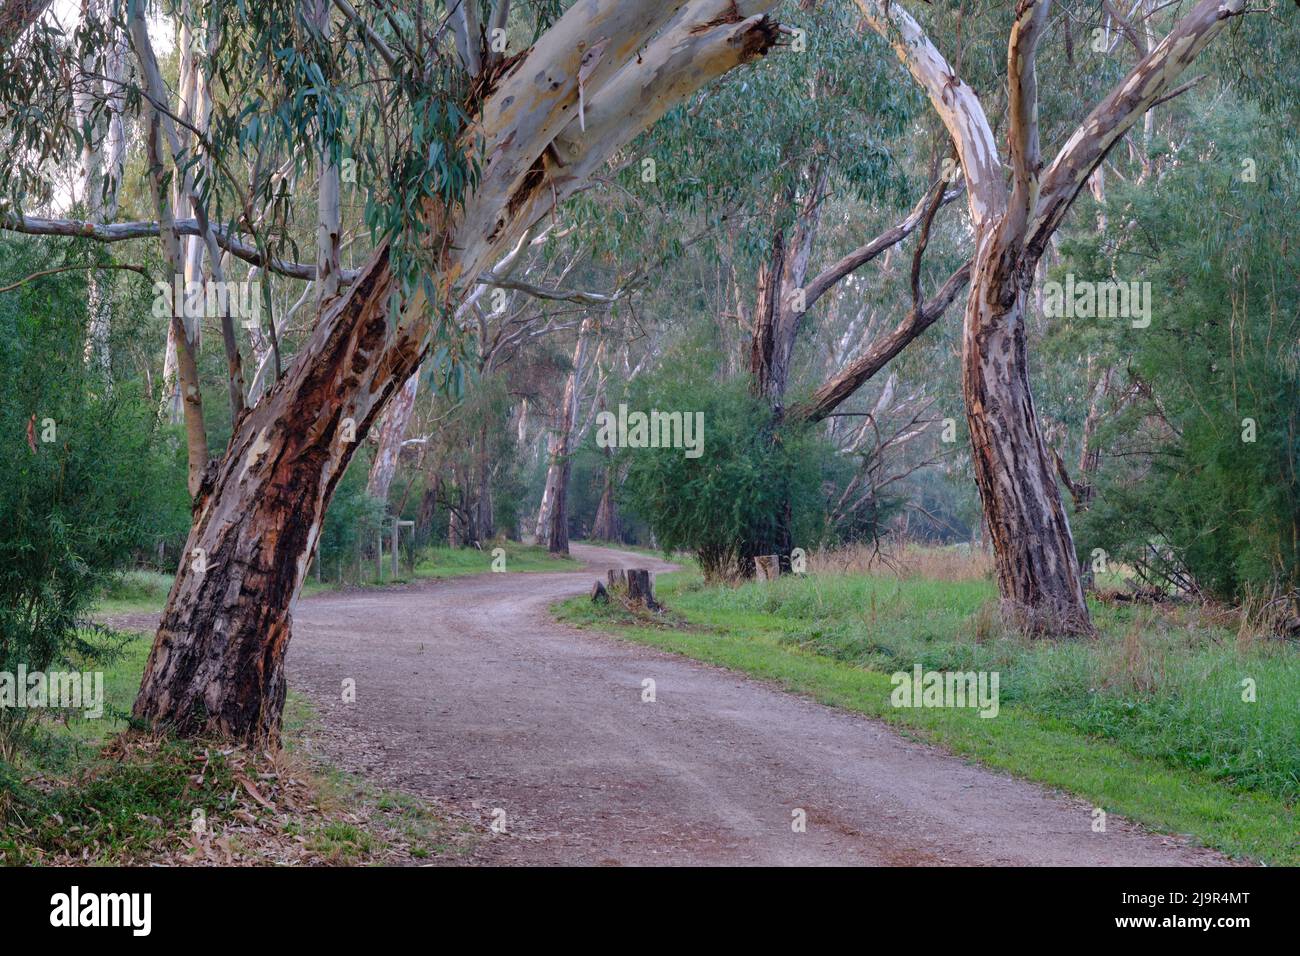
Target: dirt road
x,y
467,692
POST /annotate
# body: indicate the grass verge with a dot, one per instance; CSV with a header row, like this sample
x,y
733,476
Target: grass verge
x,y
1146,721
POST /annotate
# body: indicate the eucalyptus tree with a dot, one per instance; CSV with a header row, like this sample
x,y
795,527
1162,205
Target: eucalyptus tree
x,y
463,143
1013,222
783,170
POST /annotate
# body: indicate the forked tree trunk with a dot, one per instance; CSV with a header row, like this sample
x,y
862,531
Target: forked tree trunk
x,y
1035,558
1037,568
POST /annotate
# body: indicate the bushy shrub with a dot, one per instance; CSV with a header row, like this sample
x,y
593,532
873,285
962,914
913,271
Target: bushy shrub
x,y
1202,492
87,482
735,493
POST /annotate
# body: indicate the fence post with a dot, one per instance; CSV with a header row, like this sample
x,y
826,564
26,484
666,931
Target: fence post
x,y
397,525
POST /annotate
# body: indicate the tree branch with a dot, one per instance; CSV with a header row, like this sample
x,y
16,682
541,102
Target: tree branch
x,y
837,271
123,231
829,397
1022,105
1144,86
954,101
373,38
49,272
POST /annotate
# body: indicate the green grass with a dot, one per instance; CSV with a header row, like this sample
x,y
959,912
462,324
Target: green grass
x,y
136,592
457,562
1147,720
116,810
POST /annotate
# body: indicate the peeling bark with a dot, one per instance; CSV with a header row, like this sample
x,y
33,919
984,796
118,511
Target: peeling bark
x,y
217,663
1033,548
1034,553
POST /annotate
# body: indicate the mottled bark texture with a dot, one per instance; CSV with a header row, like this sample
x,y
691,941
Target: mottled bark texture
x,y
1037,567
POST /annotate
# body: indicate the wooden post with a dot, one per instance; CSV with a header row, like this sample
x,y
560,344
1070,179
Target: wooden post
x,y
767,567
397,529
379,556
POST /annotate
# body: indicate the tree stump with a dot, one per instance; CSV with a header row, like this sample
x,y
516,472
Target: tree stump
x,y
640,588
598,594
767,567
617,578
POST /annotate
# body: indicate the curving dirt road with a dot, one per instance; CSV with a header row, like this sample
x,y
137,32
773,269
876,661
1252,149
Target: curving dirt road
x,y
468,693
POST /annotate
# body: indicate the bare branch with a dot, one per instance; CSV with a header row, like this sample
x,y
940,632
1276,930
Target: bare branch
x,y
827,398
123,231
1145,85
78,268
837,271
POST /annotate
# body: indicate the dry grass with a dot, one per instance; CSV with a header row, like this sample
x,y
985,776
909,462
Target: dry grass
x,y
988,625
906,560
1266,616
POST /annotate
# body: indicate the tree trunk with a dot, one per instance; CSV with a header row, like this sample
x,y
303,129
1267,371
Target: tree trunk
x,y
641,588
767,365
391,435
183,332
780,304
557,541
485,520
217,664
169,406
101,172
552,517
1037,568
607,526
